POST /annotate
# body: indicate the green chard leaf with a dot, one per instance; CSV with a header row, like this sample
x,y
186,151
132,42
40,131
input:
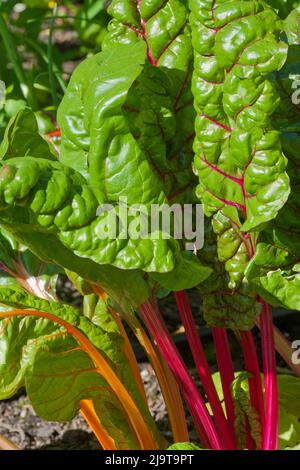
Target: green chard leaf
x,y
59,202
22,138
57,374
160,24
35,226
126,133
289,411
188,273
160,115
184,446
238,156
292,26
283,7
274,269
288,398
224,306
275,272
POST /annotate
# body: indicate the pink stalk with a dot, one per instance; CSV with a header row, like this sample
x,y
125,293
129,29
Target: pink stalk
x,y
226,371
204,424
284,348
252,367
270,437
203,368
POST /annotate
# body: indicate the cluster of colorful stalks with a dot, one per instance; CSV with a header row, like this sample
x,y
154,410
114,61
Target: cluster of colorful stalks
x,y
218,431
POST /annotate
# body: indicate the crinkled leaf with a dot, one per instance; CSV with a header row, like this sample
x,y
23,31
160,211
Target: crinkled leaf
x,y
274,269
60,203
160,115
138,146
61,206
161,24
275,272
44,242
224,306
238,155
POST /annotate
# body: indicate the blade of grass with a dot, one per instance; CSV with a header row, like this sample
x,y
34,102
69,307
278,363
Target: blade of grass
x,y
44,56
50,57
15,59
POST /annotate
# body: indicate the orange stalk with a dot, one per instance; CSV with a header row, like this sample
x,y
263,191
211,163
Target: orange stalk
x,y
137,421
130,356
127,346
88,412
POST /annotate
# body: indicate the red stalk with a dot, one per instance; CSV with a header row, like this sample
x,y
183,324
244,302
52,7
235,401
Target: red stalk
x,y
270,437
203,368
252,367
226,371
204,424
284,348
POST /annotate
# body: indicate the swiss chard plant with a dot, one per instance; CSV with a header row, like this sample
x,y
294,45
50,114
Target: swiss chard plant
x,y
187,102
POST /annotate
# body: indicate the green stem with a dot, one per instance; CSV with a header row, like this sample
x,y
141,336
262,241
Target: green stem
x,y
50,58
14,57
